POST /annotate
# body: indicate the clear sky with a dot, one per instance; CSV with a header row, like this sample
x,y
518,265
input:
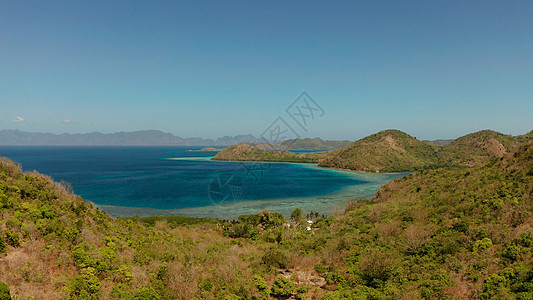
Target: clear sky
x,y
435,69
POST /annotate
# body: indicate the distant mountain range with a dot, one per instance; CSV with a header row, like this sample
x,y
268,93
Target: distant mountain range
x,y
155,138
135,138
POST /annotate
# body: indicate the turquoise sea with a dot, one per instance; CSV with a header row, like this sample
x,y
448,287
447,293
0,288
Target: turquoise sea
x,y
145,181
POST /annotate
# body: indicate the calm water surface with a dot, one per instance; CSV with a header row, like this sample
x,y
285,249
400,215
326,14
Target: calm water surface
x,y
183,181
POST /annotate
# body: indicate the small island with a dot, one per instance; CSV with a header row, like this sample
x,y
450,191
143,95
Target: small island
x,y
211,149
250,152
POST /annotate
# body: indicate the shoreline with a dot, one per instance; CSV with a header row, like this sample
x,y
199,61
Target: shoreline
x,y
310,163
328,204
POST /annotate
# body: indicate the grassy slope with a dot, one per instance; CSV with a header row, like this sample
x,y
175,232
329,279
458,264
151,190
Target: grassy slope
x,y
389,150
460,232
526,137
477,148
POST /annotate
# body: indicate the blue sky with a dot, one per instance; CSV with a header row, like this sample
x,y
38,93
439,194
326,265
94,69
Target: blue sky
x,y
435,69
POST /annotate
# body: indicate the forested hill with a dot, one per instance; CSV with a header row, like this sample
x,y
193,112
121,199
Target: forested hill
x,y
250,152
393,150
389,150
478,148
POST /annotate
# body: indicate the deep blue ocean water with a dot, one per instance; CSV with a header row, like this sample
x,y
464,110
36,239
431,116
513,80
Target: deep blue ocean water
x,y
175,178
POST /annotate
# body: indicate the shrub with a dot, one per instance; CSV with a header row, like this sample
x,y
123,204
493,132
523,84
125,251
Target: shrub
x,y
12,238
334,278
482,245
526,239
273,235
301,292
324,222
275,258
242,230
270,220
5,293
512,252
9,167
121,291
146,293
321,269
481,234
377,265
461,226
475,271
2,244
81,256
250,219
124,273
434,287
493,285
261,285
407,219
47,212
13,224
283,287
296,215
494,203
450,243
105,258
5,202
85,286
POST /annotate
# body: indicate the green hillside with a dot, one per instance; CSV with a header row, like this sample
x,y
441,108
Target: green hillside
x,y
469,230
526,137
389,151
385,151
477,148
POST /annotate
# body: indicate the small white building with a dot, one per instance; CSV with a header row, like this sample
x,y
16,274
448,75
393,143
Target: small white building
x,y
309,222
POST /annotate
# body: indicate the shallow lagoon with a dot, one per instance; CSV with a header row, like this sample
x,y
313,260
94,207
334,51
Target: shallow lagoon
x,y
145,181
